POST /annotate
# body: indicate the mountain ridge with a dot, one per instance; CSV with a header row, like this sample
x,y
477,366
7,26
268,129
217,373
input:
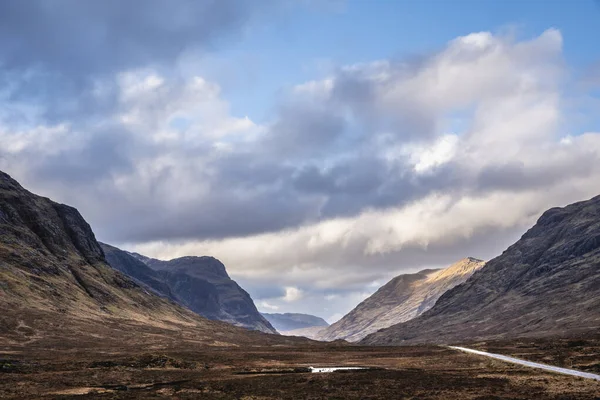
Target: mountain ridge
x,y
57,288
546,284
402,298
199,283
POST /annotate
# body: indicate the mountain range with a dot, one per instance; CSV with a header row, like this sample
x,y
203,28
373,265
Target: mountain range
x,y
401,299
56,286
546,284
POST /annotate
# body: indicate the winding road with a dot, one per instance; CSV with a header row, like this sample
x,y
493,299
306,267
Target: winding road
x,y
513,360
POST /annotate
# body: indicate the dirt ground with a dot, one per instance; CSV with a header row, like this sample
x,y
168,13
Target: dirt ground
x,y
275,372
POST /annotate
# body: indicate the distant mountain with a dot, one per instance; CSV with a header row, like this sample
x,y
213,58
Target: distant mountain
x,y
401,299
198,283
546,284
291,321
56,286
310,332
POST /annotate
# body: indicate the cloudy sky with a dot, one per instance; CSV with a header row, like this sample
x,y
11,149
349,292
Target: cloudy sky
x,y
318,148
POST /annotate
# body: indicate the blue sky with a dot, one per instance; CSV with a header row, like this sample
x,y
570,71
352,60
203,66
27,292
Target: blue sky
x,y
317,148
305,43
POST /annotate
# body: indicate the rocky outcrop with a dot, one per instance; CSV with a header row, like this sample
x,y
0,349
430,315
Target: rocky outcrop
x,y
401,299
546,284
200,284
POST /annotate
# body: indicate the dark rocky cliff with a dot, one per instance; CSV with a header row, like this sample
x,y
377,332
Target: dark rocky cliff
x,y
201,284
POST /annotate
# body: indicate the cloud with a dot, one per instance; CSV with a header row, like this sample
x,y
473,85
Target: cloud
x,y
56,54
375,169
82,38
292,294
267,306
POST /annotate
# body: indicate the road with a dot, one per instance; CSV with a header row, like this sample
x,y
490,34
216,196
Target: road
x,y
546,367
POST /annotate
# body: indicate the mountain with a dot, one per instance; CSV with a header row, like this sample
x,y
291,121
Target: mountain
x,y
137,270
312,332
291,321
56,286
546,284
198,283
401,299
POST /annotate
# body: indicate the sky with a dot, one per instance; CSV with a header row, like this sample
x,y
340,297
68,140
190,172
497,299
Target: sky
x,y
317,148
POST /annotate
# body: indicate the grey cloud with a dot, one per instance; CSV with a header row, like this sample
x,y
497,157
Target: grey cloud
x,y
355,89
304,131
221,214
54,53
260,290
591,76
516,176
107,151
311,165
359,92
276,183
78,38
356,176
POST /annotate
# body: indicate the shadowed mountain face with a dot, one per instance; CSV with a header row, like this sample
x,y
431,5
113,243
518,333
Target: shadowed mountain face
x,y
137,270
198,283
401,299
291,321
546,284
56,287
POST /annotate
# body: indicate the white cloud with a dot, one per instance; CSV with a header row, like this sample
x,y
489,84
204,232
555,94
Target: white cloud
x,y
425,158
267,306
509,94
292,294
314,89
199,180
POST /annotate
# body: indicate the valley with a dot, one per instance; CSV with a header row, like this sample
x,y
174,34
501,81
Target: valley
x,y
186,370
299,199
87,320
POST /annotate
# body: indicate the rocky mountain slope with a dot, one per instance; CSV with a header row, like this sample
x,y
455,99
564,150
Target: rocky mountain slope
x,y
546,284
401,299
137,270
55,284
198,283
291,321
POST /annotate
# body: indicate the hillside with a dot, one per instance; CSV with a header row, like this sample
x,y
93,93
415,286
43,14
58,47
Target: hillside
x,y
56,287
401,299
198,283
137,270
546,284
